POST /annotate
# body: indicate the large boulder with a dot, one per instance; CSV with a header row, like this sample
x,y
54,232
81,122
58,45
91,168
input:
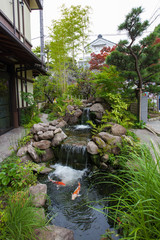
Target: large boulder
x,y
99,142
58,138
54,122
44,124
78,113
92,148
53,232
43,144
61,124
26,158
39,193
73,120
46,135
48,155
33,154
22,151
69,109
72,115
118,130
51,128
58,130
38,127
109,138
98,110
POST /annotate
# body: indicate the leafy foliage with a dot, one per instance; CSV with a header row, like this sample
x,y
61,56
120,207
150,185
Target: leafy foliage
x,y
118,113
97,129
24,140
22,217
98,60
46,88
58,108
16,175
138,62
29,114
135,206
68,37
84,87
140,124
39,151
108,81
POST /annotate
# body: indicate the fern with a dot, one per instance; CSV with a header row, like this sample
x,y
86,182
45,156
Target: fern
x,y
94,130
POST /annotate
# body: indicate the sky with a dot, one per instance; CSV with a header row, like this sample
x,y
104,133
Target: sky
x,y
105,17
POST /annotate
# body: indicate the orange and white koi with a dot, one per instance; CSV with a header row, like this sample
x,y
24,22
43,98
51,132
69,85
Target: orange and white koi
x,y
76,192
57,182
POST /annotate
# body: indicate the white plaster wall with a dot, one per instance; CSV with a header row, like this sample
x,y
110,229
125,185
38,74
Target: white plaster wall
x,y
27,23
30,87
7,8
19,93
29,74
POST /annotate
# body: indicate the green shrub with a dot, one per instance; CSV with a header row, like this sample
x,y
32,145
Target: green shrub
x,y
22,218
16,175
59,107
30,113
135,207
118,113
3,219
140,124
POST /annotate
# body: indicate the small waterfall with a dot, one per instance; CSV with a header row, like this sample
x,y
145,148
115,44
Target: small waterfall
x,y
66,174
85,116
73,155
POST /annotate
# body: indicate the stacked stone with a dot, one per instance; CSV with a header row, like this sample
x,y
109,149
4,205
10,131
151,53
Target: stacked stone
x,y
106,142
45,136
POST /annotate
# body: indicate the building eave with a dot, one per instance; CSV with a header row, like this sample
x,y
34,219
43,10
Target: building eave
x,y
38,5
13,51
94,41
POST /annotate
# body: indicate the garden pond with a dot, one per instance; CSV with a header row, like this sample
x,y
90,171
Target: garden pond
x,y
73,166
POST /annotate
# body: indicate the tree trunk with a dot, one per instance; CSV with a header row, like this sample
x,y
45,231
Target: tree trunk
x,y
139,84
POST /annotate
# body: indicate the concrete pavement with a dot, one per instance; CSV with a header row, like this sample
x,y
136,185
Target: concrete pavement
x,y
9,141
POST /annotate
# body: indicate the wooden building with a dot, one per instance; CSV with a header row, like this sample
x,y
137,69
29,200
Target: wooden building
x,y
18,64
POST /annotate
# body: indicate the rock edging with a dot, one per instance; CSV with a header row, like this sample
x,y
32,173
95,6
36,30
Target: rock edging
x,y
105,143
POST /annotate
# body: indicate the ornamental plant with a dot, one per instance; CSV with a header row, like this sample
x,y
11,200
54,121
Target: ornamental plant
x,y
22,217
15,175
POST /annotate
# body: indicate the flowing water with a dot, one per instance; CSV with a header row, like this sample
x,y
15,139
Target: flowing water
x,y
74,166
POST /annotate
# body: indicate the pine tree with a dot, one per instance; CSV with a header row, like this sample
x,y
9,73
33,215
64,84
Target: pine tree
x,y
138,62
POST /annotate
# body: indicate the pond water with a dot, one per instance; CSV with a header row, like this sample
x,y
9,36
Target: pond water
x,y
74,166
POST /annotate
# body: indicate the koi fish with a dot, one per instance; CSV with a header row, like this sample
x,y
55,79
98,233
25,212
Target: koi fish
x,y
76,192
57,182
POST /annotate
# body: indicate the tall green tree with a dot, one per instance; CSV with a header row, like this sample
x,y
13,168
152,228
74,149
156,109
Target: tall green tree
x,y
138,62
157,31
68,35
76,25
37,51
